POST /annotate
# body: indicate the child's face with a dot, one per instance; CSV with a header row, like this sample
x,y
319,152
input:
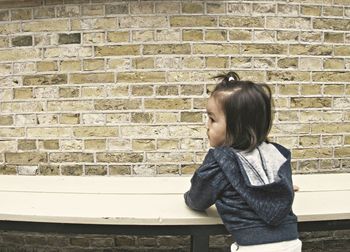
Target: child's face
x,y
216,126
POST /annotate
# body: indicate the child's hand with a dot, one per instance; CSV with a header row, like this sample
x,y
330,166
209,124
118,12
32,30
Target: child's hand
x,y
296,188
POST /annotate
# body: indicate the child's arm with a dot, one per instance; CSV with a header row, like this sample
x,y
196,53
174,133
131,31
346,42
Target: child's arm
x,y
206,184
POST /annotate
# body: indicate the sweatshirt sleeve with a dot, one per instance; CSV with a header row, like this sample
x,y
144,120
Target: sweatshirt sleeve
x,y
207,183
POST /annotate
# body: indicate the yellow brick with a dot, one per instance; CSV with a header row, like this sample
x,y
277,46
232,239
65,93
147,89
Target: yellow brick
x,y
167,144
311,102
120,36
310,64
189,168
9,28
94,24
191,117
166,49
217,62
194,8
167,90
48,79
70,105
193,62
330,76
192,21
143,22
70,65
264,49
119,145
169,103
119,91
119,64
311,10
82,78
142,36
45,66
123,157
341,51
216,35
167,7
288,116
50,144
334,64
142,90
69,92
95,144
333,89
118,104
334,128
96,170
70,118
143,144
141,7
23,93
23,54
168,169
330,37
192,35
46,25
119,170
332,140
310,89
93,92
117,50
6,120
72,170
25,158
53,132
215,49
87,131
93,64
257,22
312,153
343,152
288,76
143,63
166,117
309,141
21,107
310,49
71,157
141,77
215,8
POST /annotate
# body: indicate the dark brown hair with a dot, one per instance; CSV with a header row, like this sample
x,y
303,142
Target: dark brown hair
x,y
247,107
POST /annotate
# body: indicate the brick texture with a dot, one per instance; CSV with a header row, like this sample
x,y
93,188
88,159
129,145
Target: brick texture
x,y
119,87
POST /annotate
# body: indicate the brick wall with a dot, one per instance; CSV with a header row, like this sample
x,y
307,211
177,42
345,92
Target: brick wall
x,y
119,88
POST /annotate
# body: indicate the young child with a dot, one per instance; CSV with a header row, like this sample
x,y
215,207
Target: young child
x,y
247,177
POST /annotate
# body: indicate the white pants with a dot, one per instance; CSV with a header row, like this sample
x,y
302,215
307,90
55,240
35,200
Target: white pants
x,y
285,246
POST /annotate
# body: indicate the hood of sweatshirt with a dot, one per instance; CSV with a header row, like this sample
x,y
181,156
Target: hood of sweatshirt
x,y
263,179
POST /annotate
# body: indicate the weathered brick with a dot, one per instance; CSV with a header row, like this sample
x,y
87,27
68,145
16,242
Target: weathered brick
x,y
22,41
331,24
215,48
117,104
119,170
44,12
193,8
124,157
68,11
23,54
169,103
341,51
192,35
334,64
246,22
6,120
81,78
153,21
117,9
330,76
311,10
94,170
311,102
141,77
54,79
118,50
193,21
215,8
91,131
94,24
25,157
166,49
118,36
70,118
143,144
288,76
71,38
46,66
289,23
92,10
23,93
264,49
46,26
26,144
